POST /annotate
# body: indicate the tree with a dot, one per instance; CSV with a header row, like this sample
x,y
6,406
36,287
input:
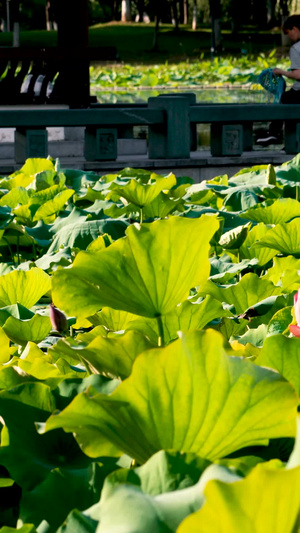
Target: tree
x,y
215,15
125,11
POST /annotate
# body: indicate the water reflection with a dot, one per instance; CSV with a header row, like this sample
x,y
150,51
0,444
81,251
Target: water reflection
x,y
217,95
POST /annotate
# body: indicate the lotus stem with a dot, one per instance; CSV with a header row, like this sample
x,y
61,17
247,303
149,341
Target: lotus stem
x,y
161,340
10,250
18,249
297,193
34,251
141,216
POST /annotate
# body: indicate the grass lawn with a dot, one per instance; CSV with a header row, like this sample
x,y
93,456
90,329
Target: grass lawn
x,y
134,41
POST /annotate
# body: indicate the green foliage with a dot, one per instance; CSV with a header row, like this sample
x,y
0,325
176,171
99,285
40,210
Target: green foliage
x,y
174,390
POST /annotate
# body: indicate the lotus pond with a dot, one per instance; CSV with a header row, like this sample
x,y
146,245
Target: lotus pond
x,y
218,80
160,393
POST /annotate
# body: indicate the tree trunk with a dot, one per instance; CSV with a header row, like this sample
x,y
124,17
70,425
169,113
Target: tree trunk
x,y
125,11
284,10
215,15
185,11
195,16
141,9
174,12
271,6
156,30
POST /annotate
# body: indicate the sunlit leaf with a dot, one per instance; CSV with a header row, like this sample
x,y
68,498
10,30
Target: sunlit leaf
x,y
238,404
23,287
266,501
147,273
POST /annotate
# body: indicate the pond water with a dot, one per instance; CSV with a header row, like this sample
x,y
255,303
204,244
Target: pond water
x,y
217,95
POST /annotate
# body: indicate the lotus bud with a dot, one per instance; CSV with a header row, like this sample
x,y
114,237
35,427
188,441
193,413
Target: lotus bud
x,y
58,319
295,328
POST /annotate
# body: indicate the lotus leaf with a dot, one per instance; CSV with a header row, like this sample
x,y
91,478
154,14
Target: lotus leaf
x,y
148,273
237,404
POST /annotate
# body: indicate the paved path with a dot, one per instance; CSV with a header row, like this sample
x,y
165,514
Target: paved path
x,y
200,166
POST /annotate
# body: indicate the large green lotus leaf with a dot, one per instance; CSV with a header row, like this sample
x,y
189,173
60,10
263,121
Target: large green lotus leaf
x,y
233,239
160,513
202,197
280,272
223,269
27,455
6,217
27,528
249,249
15,197
10,377
114,321
22,331
5,353
280,321
240,199
187,316
77,522
35,165
16,180
82,233
68,217
265,308
282,210
23,214
142,194
266,501
26,175
147,273
255,337
41,365
63,257
114,355
90,194
191,316
16,310
51,208
48,178
78,179
193,377
232,328
62,491
39,197
165,471
24,287
288,173
162,206
228,220
247,292
285,238
282,354
257,175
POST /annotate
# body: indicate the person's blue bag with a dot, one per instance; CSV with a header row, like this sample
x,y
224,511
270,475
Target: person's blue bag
x,y
274,84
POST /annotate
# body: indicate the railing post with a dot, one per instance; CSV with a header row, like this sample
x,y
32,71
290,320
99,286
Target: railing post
x,y
100,144
226,139
292,137
173,138
30,142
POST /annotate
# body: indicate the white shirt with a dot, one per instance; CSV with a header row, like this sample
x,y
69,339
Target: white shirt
x,y
295,62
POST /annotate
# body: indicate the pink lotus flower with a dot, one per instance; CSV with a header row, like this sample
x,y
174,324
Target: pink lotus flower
x,y
58,319
295,328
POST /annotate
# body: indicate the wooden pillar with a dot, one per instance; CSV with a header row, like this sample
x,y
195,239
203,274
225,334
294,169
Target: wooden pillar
x,y
72,40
